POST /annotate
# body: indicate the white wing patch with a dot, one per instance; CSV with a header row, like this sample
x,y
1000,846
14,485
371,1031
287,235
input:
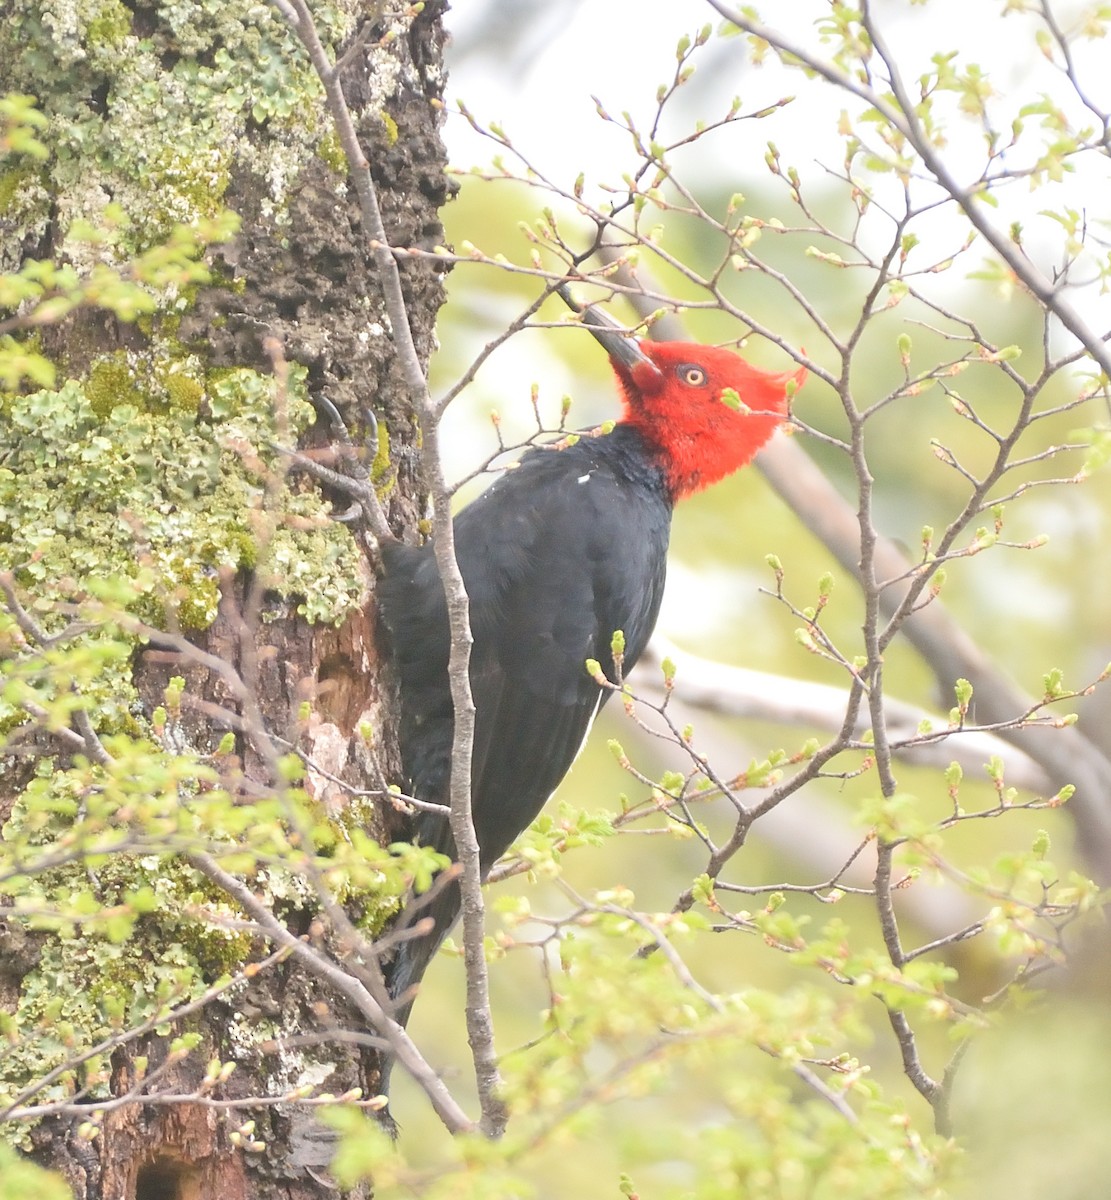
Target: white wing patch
x,y
589,725
582,744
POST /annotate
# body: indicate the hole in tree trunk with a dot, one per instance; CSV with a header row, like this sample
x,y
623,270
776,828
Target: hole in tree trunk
x,y
165,1179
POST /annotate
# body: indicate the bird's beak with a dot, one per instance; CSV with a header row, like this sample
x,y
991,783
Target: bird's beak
x,y
622,347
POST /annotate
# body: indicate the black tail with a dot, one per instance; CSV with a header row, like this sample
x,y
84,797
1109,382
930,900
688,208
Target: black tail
x,y
405,972
437,908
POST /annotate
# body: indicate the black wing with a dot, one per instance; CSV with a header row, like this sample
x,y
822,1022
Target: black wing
x,y
559,553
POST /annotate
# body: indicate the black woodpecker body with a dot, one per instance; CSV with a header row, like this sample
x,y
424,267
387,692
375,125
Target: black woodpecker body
x,y
557,554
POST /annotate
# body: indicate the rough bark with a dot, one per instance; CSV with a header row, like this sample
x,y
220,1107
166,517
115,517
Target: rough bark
x,y
306,279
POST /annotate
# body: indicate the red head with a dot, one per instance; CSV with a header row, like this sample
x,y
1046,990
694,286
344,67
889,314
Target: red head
x,y
706,409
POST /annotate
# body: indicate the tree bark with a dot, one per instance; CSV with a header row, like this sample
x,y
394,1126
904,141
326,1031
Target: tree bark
x,y
298,271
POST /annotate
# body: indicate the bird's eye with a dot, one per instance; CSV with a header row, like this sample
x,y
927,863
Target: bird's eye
x,y
691,375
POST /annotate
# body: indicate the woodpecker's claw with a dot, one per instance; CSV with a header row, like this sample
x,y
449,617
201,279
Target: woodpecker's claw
x,y
339,429
372,432
354,480
348,452
349,515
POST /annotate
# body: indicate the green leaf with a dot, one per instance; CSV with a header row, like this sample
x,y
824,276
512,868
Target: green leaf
x,y
20,1179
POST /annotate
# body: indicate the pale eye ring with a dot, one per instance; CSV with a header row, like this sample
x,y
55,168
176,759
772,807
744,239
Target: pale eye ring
x,y
691,374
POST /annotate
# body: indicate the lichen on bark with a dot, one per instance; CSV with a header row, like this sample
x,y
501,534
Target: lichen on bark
x,y
145,458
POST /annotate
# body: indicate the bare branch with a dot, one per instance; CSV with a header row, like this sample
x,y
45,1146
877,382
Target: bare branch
x,y
339,978
479,1021
901,116
757,695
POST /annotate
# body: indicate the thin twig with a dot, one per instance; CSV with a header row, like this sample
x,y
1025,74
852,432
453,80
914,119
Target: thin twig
x,y
339,978
901,115
479,1021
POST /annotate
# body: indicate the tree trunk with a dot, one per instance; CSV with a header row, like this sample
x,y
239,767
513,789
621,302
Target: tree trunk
x,y
174,120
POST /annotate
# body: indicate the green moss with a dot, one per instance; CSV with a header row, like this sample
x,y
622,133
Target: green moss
x,y
25,204
110,26
163,379
111,383
195,597
375,912
184,393
10,183
330,151
380,467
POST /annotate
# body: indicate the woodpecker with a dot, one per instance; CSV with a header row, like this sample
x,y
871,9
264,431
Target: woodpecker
x,y
556,555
